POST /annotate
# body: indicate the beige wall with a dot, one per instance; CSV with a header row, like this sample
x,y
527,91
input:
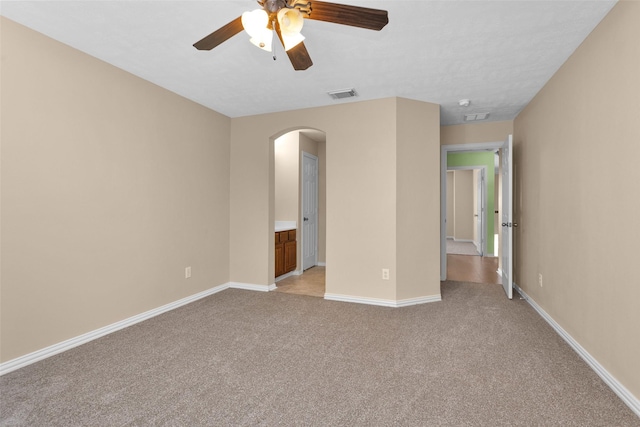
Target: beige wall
x,y
463,204
577,150
361,192
286,175
477,132
110,187
417,199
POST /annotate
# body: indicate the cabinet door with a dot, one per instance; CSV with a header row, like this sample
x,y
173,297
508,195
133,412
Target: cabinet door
x,y
279,256
290,256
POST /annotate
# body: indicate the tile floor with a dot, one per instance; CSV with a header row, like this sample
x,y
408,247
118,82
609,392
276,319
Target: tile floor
x,y
311,282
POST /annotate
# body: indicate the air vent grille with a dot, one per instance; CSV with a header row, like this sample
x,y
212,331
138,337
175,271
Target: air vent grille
x,y
475,117
342,94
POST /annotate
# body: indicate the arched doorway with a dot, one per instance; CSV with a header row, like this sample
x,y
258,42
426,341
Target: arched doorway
x,y
299,203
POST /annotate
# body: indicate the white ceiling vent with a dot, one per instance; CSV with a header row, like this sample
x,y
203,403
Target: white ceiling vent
x,y
344,93
475,117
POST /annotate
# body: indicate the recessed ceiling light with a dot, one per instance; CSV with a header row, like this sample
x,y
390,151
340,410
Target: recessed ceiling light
x,y
464,102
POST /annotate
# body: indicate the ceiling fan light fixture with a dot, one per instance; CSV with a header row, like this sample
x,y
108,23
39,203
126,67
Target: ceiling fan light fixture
x,y
290,20
255,22
291,40
263,40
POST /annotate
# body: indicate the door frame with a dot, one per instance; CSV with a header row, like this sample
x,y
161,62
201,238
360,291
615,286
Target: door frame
x,y
444,150
483,202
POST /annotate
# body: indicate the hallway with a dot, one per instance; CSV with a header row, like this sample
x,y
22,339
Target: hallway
x,y
460,268
477,269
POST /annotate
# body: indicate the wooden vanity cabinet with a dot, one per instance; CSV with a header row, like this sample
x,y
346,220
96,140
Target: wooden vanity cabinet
x,y
285,252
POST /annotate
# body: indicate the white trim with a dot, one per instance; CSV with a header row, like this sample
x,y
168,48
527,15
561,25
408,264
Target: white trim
x,y
289,274
60,347
382,302
321,264
419,300
625,395
251,287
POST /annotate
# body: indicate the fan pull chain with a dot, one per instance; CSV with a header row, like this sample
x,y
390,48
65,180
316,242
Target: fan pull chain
x,y
273,39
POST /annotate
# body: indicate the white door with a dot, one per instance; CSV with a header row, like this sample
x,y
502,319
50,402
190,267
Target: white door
x,y
507,216
309,211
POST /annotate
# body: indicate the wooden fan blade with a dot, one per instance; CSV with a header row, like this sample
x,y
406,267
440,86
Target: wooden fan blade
x,y
355,16
298,55
221,35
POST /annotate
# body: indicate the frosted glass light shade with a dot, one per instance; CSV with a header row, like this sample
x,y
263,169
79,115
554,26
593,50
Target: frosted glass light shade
x,y
291,39
255,22
263,40
290,20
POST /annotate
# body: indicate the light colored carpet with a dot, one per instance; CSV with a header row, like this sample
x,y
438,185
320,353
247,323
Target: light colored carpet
x,y
461,248
243,358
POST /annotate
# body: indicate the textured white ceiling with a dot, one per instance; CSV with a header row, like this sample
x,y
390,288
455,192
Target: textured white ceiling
x,y
496,53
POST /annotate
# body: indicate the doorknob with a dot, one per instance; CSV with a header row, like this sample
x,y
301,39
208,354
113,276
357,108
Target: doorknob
x,y
515,224
504,224
306,219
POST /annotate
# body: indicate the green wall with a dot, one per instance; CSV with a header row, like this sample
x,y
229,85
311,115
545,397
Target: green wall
x,y
481,158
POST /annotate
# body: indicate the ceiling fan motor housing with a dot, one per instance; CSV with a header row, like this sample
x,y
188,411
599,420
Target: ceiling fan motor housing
x,y
273,6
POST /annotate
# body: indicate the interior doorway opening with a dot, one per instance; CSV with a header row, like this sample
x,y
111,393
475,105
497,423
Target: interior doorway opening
x,y
300,212
467,213
486,269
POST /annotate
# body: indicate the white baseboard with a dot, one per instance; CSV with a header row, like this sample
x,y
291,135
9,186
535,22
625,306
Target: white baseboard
x,y
382,302
321,264
251,287
52,350
289,274
464,240
625,395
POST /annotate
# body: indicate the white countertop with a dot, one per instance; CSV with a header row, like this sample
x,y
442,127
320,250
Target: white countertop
x,y
285,225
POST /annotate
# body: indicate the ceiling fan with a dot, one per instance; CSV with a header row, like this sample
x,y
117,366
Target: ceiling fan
x,y
285,18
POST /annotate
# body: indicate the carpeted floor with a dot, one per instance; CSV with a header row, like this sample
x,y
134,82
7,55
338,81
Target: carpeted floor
x,y
242,358
461,248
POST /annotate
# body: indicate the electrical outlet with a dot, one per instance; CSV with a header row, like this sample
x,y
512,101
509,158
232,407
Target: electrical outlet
x,y
385,274
540,279
187,272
